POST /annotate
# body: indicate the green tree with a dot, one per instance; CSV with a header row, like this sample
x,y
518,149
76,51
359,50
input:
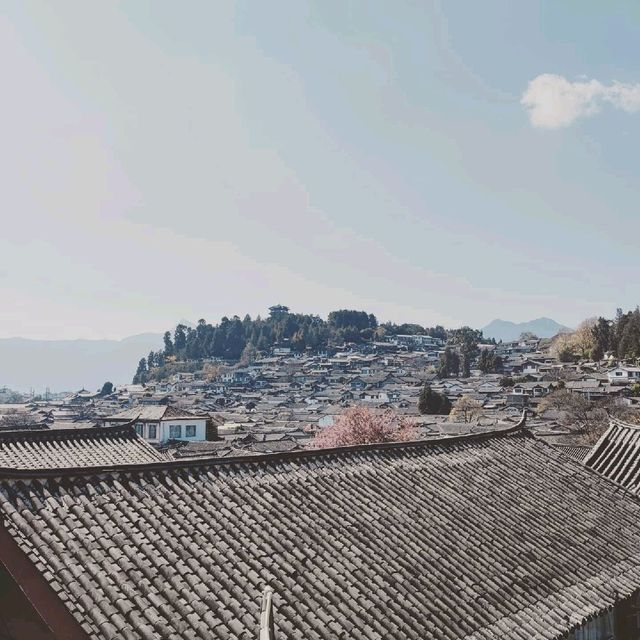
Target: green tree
x,y
107,389
489,362
180,339
449,364
431,402
141,372
467,340
168,344
601,338
629,345
235,341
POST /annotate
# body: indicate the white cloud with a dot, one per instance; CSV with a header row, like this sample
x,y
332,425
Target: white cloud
x,y
553,102
624,96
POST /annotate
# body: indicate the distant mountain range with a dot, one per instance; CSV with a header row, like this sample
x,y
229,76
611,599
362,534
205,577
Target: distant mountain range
x,y
66,365
508,331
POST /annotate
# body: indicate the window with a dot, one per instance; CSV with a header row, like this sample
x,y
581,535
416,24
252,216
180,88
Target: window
x,y
175,431
190,431
153,432
140,429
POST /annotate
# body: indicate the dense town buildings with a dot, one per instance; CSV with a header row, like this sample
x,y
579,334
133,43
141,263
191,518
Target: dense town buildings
x,y
285,396
170,509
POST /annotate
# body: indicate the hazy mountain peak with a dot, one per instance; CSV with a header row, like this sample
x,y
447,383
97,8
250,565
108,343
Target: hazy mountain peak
x,y
506,330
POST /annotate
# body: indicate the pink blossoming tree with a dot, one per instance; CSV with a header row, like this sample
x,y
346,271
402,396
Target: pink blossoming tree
x,y
360,425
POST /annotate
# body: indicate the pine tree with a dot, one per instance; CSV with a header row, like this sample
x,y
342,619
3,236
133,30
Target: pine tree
x,y
141,373
449,363
433,403
168,344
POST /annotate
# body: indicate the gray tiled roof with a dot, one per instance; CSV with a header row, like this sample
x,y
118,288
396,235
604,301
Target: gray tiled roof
x,y
153,413
67,448
575,451
477,537
617,455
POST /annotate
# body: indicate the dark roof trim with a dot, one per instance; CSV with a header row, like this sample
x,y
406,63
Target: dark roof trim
x,y
262,459
38,592
63,434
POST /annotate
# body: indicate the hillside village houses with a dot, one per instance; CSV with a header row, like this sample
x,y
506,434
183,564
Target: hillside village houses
x,y
288,397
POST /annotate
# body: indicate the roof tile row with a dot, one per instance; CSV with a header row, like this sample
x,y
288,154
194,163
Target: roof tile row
x,y
476,537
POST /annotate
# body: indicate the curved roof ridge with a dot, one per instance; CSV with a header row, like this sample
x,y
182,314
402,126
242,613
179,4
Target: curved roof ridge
x,y
263,459
616,422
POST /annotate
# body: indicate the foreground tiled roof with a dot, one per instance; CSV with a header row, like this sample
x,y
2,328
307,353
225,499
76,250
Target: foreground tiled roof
x,y
66,448
617,455
476,537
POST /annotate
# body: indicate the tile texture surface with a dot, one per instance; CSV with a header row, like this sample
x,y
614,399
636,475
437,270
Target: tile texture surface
x,y
478,537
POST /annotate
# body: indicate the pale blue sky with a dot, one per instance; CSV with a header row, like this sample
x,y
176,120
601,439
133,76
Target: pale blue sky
x,y
168,160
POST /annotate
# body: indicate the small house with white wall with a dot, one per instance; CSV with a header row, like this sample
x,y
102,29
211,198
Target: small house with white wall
x,y
624,375
158,424
533,389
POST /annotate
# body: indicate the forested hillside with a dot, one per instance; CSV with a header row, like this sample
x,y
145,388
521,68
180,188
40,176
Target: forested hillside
x,y
235,338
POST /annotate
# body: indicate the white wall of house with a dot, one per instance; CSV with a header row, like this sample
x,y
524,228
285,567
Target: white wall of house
x,y
190,429
158,432
326,421
624,375
375,396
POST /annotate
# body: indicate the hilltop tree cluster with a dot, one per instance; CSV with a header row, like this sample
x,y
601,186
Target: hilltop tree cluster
x,y
596,337
241,340
461,353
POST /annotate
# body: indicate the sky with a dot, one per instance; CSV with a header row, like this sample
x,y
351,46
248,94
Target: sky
x,y
440,162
